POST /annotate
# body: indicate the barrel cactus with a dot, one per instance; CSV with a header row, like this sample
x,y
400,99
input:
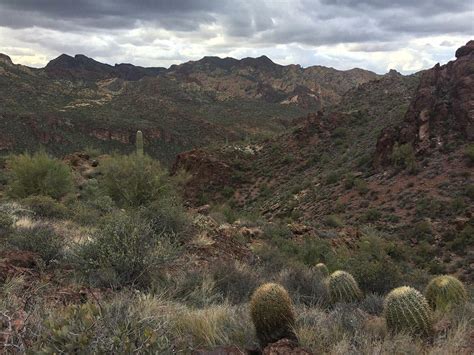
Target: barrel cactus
x,y
407,310
139,143
322,269
343,287
272,314
445,291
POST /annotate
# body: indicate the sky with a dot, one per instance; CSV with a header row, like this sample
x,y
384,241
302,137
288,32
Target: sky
x,y
406,35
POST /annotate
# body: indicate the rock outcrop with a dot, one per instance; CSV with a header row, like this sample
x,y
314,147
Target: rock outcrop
x,y
443,108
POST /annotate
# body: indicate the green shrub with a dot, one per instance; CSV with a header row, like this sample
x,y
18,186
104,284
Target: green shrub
x,y
69,331
361,186
304,285
464,240
40,238
125,250
6,223
343,287
371,215
371,264
234,281
443,292
333,221
407,310
134,181
168,216
469,153
403,156
272,314
38,174
45,206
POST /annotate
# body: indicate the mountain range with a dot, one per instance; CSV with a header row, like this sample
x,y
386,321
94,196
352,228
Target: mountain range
x,y
75,102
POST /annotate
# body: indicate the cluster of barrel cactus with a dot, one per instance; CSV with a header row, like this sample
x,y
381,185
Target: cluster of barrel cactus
x,y
444,292
272,314
407,310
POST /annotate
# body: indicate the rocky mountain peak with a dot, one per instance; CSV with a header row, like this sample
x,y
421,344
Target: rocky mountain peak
x,y
465,50
5,59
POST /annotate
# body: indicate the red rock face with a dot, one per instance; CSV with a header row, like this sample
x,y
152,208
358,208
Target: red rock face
x,y
443,109
205,171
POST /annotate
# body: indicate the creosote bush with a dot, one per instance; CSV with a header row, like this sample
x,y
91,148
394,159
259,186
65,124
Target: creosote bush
x,y
45,206
272,314
39,238
125,250
407,310
444,292
38,174
132,180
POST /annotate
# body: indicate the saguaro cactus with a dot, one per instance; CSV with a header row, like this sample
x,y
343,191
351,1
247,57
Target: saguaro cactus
x,y
407,310
445,291
139,143
272,313
343,287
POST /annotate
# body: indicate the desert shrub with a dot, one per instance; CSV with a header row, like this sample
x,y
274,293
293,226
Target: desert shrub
x,y
168,215
469,153
469,191
333,177
403,156
304,285
39,238
132,180
71,330
45,206
125,250
234,281
38,174
361,186
422,231
464,239
125,324
371,265
349,181
371,215
334,221
6,223
195,288
372,304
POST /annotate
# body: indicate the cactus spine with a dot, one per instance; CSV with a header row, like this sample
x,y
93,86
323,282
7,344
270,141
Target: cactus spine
x,y
272,314
139,143
445,291
407,310
343,287
322,269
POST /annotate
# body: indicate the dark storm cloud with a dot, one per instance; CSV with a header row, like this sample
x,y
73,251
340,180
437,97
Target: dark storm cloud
x,y
161,32
312,22
172,14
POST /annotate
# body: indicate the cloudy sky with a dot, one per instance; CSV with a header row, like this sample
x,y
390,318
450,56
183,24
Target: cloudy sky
x,y
407,35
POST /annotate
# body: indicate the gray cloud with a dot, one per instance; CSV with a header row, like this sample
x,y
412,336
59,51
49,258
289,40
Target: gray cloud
x,y
148,30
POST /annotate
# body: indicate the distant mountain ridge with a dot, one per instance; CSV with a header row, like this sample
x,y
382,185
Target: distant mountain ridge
x,y
79,101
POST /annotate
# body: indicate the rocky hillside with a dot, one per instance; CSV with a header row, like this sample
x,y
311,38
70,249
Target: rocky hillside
x,y
76,101
395,153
